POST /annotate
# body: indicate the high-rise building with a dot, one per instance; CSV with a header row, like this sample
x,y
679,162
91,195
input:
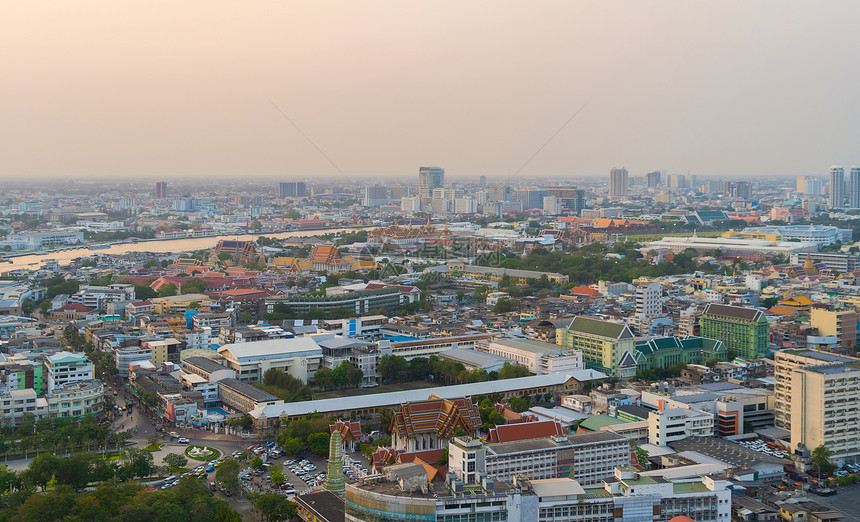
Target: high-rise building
x,y
531,197
744,331
837,187
714,186
854,188
569,199
374,196
292,189
500,193
813,186
815,397
652,179
841,324
161,190
618,182
737,189
483,181
430,178
801,183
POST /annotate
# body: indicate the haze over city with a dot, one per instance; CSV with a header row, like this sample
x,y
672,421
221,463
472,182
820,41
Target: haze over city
x,y
166,89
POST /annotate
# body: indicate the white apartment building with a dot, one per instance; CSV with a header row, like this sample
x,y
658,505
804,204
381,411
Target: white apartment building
x,y
649,300
200,339
66,367
366,327
673,424
76,399
588,458
825,402
300,357
540,358
14,404
130,354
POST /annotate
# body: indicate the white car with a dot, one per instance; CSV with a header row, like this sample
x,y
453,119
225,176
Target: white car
x,y
183,440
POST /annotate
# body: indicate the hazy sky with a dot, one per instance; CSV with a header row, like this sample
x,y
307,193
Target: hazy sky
x,y
181,88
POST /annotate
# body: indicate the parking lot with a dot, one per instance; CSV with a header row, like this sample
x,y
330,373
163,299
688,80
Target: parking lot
x,y
301,473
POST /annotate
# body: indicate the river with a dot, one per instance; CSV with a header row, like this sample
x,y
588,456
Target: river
x,y
34,261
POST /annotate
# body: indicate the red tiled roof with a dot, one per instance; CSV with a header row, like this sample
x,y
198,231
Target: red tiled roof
x,y
526,430
583,290
74,307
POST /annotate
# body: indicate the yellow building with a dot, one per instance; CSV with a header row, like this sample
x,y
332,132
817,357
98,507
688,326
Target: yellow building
x,y
841,323
179,303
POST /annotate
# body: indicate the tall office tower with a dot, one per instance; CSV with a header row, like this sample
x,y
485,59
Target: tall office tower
x,y
743,189
854,188
400,191
374,196
430,178
837,187
652,179
813,186
161,190
801,183
500,193
292,189
691,180
531,197
714,187
618,182
569,199
677,181
483,181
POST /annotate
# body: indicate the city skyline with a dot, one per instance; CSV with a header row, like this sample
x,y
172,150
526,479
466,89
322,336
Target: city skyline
x,y
546,89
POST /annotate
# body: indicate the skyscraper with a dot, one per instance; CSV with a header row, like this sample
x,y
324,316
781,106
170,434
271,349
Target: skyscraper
x,y
161,190
854,188
652,179
837,187
292,189
618,182
430,178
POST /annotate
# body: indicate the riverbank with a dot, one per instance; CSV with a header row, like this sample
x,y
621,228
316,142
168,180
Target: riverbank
x,y
66,255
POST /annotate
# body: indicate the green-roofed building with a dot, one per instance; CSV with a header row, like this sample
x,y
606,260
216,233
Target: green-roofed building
x,y
664,352
744,331
595,422
606,346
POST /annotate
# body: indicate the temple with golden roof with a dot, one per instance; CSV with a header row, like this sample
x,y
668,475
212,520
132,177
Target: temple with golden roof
x,y
322,258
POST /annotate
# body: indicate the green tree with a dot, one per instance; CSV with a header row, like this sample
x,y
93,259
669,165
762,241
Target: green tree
x,y
505,305
228,474
175,460
292,445
256,462
319,443
510,371
391,367
74,471
144,292
193,286
275,507
821,459
168,290
41,470
278,477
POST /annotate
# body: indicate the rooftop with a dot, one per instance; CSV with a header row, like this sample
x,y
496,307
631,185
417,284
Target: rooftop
x,y
247,390
272,348
601,328
377,400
